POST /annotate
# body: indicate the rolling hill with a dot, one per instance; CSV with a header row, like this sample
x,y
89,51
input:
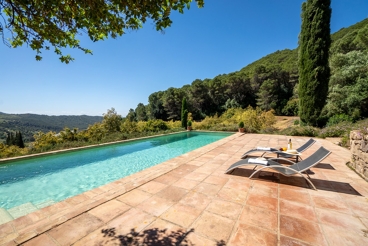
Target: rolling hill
x,y
29,124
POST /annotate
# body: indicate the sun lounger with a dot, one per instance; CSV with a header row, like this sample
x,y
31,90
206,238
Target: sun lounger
x,y
296,168
268,150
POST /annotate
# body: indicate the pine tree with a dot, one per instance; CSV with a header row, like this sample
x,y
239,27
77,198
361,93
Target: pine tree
x,y
184,113
314,71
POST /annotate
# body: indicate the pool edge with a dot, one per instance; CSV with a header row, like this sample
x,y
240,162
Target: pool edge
x,y
112,190
32,156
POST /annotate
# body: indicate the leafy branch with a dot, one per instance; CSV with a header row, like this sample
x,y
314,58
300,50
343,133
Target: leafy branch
x,y
43,23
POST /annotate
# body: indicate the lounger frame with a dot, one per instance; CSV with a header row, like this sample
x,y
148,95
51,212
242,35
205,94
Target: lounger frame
x,y
301,149
296,168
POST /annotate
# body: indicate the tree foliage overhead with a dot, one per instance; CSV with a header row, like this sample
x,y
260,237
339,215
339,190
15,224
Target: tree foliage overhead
x,y
42,24
314,70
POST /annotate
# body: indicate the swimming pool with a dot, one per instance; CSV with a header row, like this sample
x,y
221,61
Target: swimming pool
x,y
45,180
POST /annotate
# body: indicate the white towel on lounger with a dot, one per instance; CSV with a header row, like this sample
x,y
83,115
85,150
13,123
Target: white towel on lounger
x,y
257,161
263,148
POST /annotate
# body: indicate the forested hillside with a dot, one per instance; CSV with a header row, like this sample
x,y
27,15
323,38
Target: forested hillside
x,y
29,124
271,83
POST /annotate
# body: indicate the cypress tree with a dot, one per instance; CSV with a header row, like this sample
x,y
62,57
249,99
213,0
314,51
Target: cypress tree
x,y
12,139
16,139
20,141
314,71
184,113
8,140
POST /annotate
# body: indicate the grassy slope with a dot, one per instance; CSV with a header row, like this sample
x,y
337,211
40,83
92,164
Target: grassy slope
x,y
283,122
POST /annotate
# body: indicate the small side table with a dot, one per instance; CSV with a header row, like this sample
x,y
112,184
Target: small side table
x,y
296,154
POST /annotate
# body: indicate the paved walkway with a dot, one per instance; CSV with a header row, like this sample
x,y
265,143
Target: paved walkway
x,y
189,200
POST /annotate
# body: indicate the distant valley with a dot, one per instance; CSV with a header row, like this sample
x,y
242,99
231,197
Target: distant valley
x,y
29,124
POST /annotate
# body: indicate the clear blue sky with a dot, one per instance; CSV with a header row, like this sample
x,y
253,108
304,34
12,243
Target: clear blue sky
x,y
222,37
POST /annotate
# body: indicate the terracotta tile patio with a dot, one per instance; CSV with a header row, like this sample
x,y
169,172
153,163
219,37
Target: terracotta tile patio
x,y
189,200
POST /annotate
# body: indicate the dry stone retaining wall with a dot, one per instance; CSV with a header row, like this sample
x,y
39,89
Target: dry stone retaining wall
x,y
359,152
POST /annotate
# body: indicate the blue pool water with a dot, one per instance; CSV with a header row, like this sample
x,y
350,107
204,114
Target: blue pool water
x,y
56,177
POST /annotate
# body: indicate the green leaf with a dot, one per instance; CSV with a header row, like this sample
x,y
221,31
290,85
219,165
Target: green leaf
x,y
47,23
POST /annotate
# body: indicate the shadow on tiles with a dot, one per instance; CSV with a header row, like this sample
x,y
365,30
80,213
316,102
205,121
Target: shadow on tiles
x,y
151,237
270,176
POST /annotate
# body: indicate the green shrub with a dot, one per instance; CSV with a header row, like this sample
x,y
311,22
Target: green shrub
x,y
207,123
336,119
345,141
129,126
291,108
301,123
300,131
229,113
256,119
223,127
332,131
11,151
156,125
355,116
251,119
269,130
296,122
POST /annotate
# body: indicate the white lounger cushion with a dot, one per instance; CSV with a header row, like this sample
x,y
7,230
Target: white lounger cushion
x,y
263,148
258,161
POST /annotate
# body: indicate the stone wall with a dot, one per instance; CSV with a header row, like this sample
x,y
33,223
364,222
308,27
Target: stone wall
x,y
359,152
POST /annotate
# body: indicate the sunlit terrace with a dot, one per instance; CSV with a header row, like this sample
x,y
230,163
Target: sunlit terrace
x,y
189,200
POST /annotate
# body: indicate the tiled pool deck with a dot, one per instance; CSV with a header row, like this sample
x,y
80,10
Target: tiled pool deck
x,y
189,200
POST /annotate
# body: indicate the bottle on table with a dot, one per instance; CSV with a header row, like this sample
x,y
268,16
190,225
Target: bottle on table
x,y
290,145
